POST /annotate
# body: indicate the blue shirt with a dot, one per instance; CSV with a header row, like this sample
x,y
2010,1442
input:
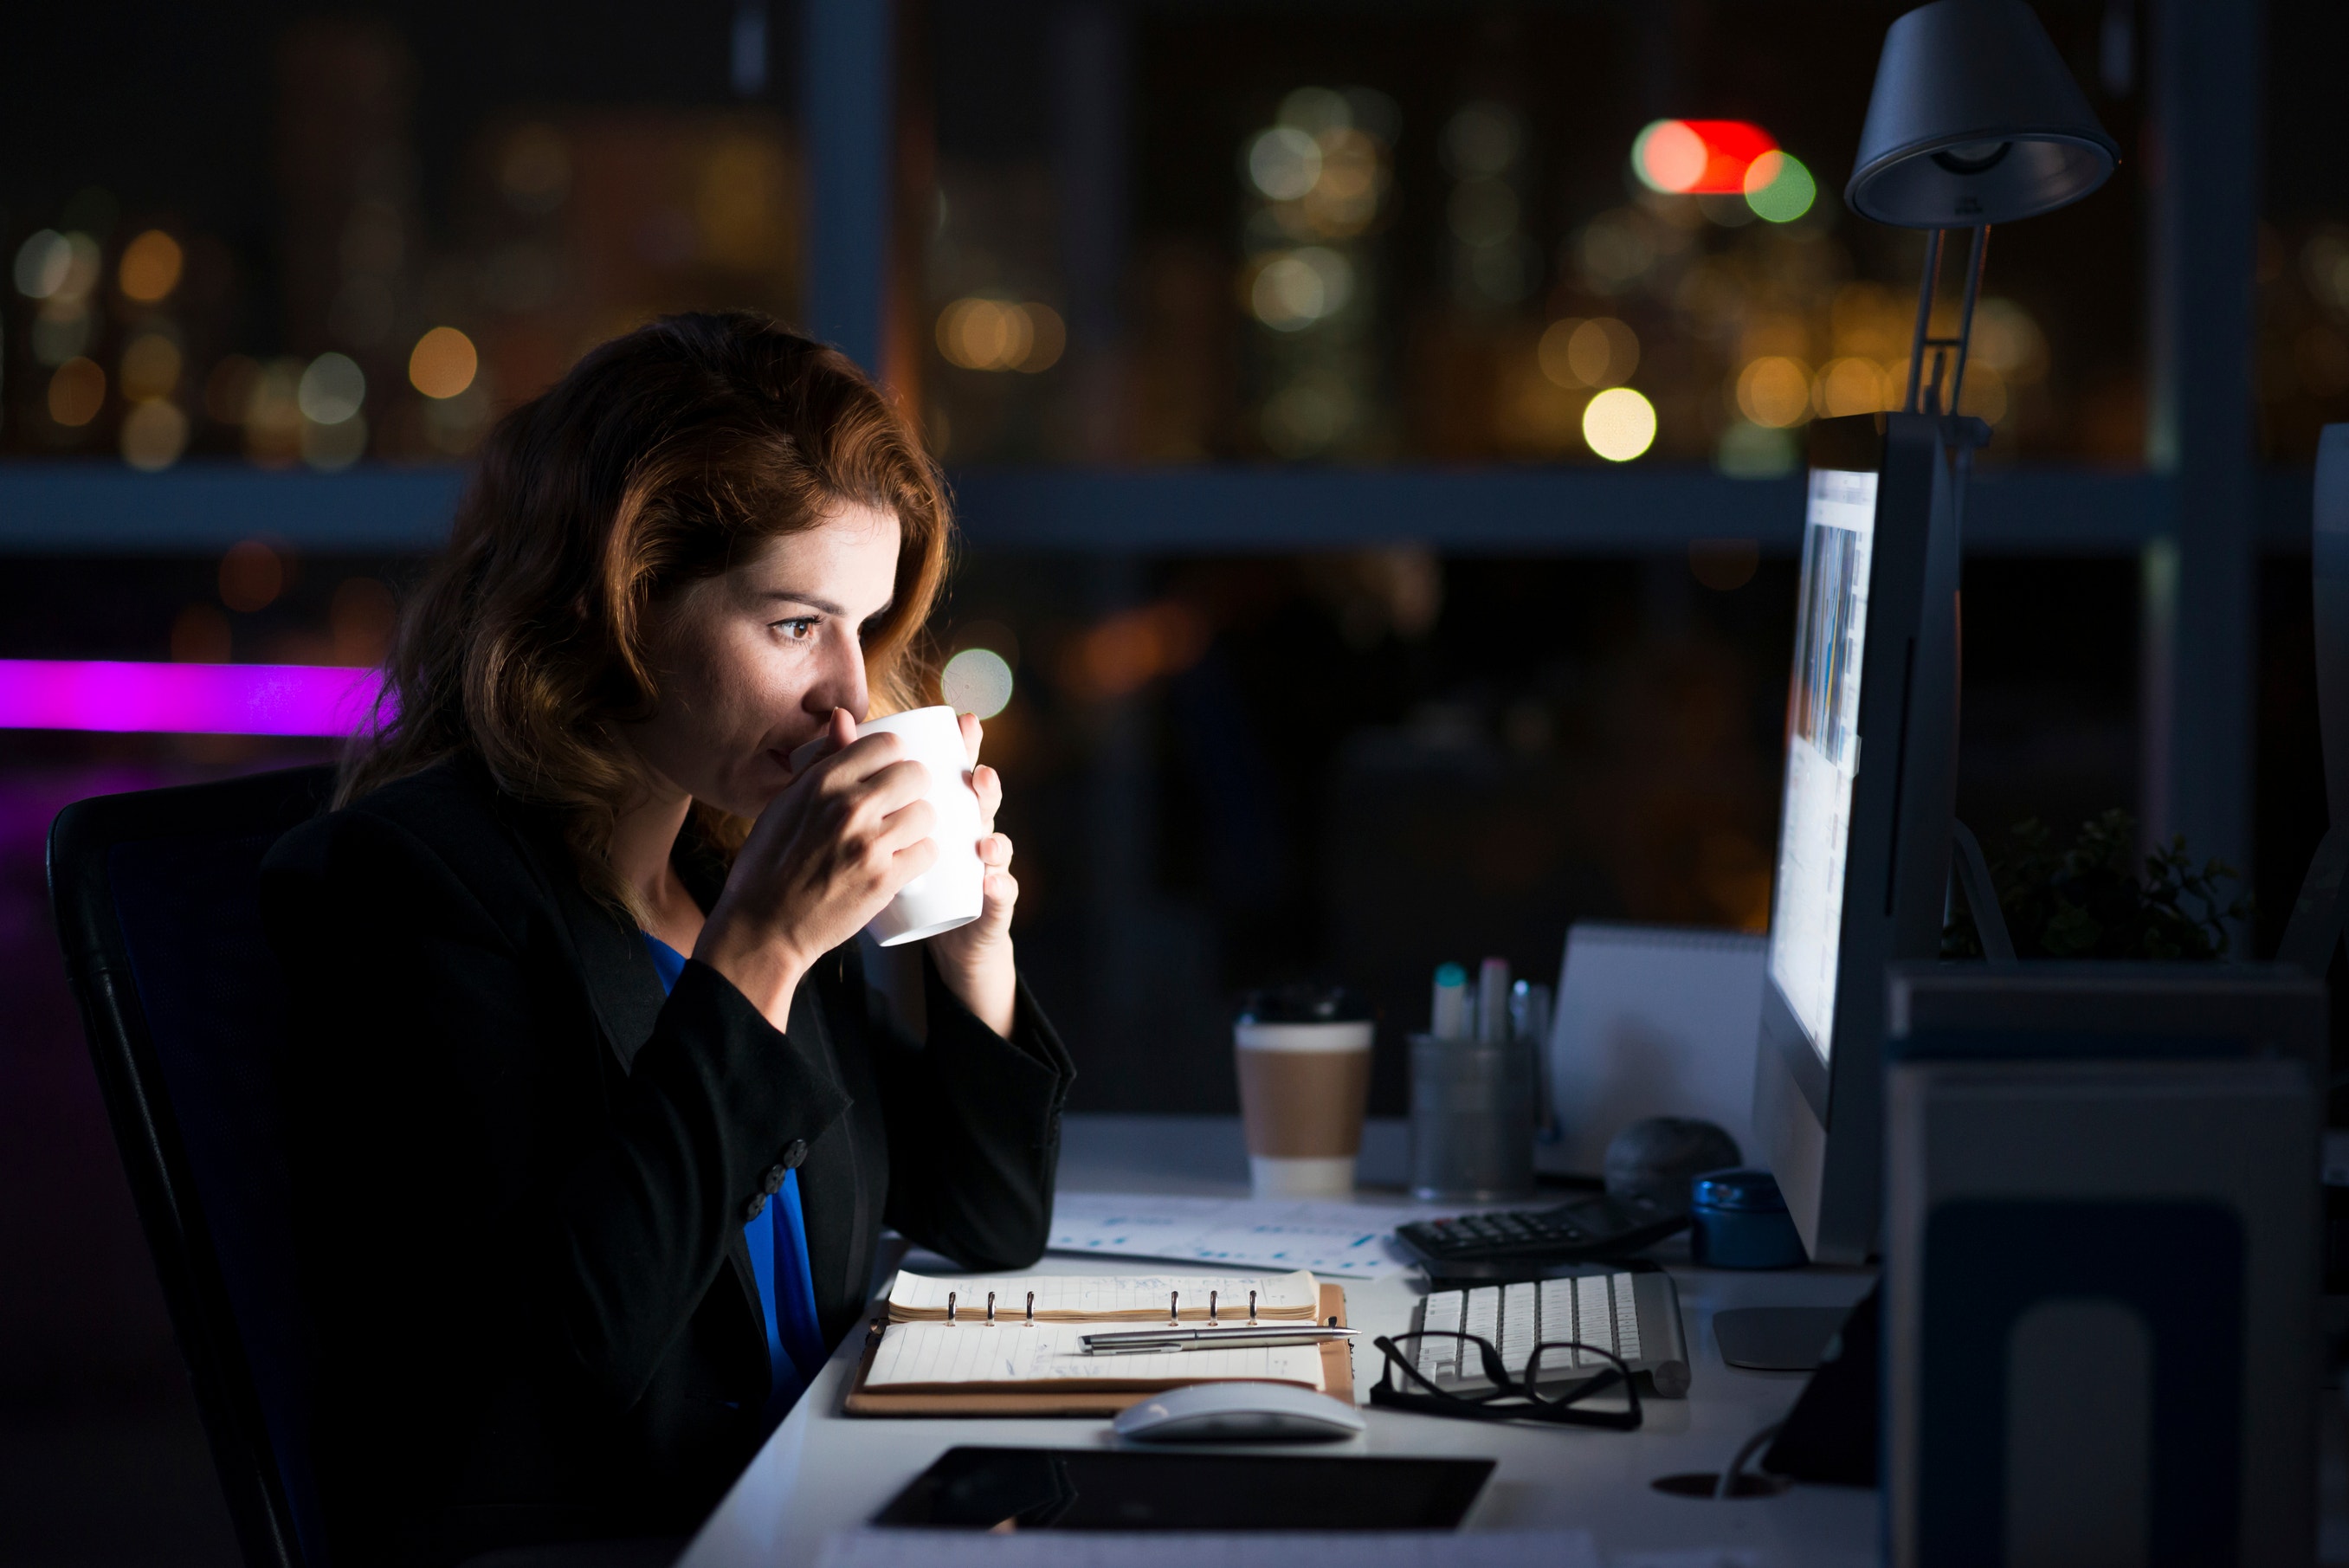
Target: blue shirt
x,y
779,1257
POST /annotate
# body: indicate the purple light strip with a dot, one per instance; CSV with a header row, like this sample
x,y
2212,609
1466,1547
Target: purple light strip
x,y
184,699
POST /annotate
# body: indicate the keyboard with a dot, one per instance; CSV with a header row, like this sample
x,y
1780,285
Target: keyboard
x,y
1636,1315
1597,1226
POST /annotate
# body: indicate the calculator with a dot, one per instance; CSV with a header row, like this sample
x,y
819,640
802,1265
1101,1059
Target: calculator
x,y
1597,1226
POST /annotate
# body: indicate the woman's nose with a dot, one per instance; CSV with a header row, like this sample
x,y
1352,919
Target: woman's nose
x,y
840,683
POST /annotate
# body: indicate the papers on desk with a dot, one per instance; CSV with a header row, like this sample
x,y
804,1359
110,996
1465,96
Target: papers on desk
x,y
1144,1549
970,1356
1347,1241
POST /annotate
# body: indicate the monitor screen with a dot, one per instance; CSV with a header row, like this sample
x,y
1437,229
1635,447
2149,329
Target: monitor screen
x,y
1822,749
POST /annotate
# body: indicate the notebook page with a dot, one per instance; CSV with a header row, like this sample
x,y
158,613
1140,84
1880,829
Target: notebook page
x,y
959,1354
1291,1295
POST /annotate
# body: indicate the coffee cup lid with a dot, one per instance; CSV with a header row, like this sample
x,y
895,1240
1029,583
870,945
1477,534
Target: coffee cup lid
x,y
1306,1003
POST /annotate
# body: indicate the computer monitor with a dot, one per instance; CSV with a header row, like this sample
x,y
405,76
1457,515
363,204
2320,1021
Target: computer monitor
x,y
1864,822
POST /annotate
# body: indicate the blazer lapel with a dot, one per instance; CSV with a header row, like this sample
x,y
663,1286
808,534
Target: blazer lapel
x,y
625,990
623,987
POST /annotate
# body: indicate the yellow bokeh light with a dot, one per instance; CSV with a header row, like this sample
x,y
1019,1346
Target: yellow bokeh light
x,y
444,363
1619,424
1575,353
1850,386
76,392
151,267
154,434
985,333
1048,336
1603,353
150,367
1774,391
1551,353
1984,396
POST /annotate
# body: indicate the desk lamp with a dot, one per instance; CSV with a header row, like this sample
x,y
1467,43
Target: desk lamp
x,y
1974,121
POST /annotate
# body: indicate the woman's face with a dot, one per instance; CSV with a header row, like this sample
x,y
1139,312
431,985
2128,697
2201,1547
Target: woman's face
x,y
751,662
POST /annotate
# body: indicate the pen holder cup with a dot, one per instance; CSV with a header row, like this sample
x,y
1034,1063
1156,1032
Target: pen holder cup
x,y
1471,1120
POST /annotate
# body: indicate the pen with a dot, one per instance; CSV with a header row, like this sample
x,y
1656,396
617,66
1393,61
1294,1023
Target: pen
x,y
1449,1018
1165,1339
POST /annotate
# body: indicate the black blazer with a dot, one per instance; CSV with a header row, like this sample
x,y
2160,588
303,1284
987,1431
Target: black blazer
x,y
521,1175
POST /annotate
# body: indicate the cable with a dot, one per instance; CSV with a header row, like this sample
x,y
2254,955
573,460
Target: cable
x,y
1727,1485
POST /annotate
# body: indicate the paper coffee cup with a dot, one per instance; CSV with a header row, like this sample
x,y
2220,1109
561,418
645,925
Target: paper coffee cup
x,y
1305,1082
951,893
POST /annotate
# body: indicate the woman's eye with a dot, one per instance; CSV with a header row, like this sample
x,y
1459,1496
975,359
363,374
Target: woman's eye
x,y
800,629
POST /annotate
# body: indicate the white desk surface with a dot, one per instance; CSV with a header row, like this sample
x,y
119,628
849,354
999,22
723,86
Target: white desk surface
x,y
821,1472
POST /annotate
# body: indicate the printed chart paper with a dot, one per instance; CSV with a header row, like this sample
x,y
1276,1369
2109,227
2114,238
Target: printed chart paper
x,y
1345,1241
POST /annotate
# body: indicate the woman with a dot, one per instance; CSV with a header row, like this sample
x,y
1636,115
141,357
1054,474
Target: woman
x,y
579,1215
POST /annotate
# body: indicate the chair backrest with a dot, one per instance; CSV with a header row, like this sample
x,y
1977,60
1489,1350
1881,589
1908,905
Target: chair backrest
x,y
157,897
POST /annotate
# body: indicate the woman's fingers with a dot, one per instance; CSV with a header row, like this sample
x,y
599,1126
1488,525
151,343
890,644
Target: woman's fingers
x,y
839,734
995,851
916,819
1000,892
910,861
973,732
987,785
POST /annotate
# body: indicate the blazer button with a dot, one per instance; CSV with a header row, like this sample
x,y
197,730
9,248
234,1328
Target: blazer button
x,y
795,1154
773,1183
754,1208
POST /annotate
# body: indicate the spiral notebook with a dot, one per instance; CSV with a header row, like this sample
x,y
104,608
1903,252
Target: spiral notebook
x,y
1008,1343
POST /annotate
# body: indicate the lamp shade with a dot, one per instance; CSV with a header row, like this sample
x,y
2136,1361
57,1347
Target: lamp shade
x,y
1974,120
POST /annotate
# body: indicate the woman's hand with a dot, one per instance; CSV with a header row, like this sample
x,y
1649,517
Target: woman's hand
x,y
975,960
826,855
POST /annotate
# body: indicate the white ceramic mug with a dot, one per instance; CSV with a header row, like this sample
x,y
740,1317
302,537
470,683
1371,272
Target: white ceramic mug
x,y
951,893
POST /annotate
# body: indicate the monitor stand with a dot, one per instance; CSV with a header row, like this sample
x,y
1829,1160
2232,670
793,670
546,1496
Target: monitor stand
x,y
1795,1338
1776,1338
1982,897
2318,916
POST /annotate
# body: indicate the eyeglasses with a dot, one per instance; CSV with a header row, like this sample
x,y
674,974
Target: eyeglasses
x,y
1510,1398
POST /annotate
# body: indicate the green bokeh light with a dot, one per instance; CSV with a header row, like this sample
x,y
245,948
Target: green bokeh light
x,y
1779,188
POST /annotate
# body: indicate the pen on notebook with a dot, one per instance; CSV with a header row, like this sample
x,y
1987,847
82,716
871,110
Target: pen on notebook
x,y
1144,1341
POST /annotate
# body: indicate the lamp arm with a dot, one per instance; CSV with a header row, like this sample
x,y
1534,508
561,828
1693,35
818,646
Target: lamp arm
x,y
1977,253
1924,319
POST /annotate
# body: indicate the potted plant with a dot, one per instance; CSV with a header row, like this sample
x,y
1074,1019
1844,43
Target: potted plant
x,y
2094,900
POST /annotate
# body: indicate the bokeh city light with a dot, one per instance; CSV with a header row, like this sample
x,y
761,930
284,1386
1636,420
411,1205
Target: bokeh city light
x,y
1619,424
444,363
976,681
149,268
1699,157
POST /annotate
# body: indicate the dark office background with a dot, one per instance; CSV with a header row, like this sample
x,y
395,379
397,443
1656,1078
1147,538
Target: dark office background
x,y
1225,768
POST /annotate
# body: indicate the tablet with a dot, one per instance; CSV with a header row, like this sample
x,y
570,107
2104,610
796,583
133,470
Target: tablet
x,y
1123,1489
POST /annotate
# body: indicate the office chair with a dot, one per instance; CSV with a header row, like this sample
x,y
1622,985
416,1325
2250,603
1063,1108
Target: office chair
x,y
157,898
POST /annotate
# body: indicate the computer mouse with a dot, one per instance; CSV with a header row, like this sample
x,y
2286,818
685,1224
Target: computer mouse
x,y
1238,1412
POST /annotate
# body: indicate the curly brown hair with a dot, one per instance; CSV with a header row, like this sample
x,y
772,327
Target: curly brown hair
x,y
664,456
